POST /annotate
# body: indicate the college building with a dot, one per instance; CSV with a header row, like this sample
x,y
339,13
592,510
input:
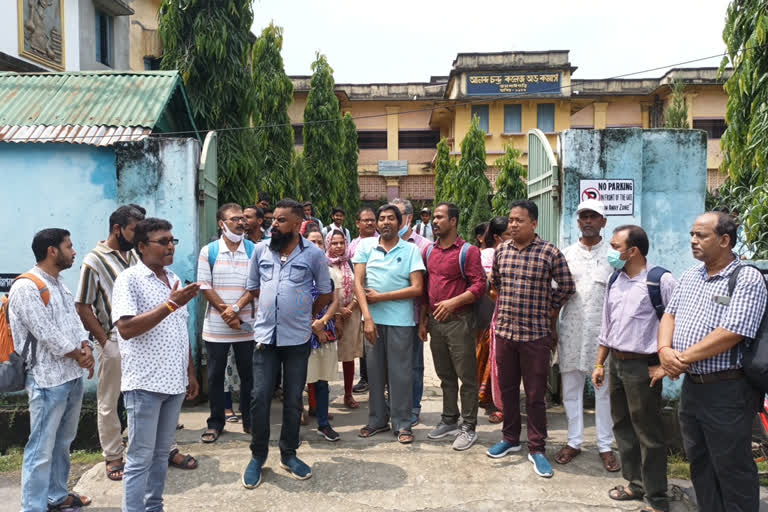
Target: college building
x,y
400,124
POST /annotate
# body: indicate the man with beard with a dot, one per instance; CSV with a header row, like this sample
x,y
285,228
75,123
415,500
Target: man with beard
x,y
42,314
98,272
388,276
579,331
149,311
254,223
366,226
282,275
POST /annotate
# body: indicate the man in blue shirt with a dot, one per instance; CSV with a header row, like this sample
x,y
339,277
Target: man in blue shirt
x,y
281,276
388,276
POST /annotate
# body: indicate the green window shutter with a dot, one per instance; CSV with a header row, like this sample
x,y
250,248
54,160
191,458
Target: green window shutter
x,y
513,119
481,111
545,117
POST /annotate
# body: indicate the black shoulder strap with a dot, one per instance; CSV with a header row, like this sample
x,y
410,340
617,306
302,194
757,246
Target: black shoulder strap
x,y
653,282
613,278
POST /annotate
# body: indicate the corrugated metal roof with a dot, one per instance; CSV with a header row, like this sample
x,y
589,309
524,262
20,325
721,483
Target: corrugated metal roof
x,y
97,108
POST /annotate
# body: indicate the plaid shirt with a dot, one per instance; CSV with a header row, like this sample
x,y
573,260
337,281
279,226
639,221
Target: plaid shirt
x,y
527,297
697,314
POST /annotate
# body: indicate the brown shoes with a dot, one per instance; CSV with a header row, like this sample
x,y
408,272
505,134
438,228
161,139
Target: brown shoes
x,y
609,461
566,454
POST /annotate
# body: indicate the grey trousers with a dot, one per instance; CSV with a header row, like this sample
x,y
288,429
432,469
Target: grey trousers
x,y
390,362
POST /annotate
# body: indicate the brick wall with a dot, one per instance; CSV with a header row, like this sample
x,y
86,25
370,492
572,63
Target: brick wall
x,y
715,179
417,187
372,188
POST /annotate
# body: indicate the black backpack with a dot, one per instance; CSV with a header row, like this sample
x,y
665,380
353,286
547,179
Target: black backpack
x,y
754,351
653,282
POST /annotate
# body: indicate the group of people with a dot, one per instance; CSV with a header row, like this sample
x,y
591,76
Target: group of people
x,y
288,299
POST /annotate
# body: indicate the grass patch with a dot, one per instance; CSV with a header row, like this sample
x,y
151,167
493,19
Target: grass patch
x,y
11,461
678,467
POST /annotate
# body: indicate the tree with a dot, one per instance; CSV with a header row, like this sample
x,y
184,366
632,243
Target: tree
x,y
273,93
351,187
469,186
322,140
745,142
208,42
677,112
444,166
509,183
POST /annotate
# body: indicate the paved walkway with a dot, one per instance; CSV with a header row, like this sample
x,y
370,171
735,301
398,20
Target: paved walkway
x,y
378,474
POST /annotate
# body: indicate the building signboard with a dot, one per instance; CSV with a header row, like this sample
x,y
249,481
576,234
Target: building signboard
x,y
393,167
495,84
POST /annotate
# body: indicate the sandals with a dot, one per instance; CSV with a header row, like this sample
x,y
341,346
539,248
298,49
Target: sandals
x,y
368,431
619,493
350,402
609,461
75,502
404,437
189,461
496,417
232,418
114,471
566,454
211,435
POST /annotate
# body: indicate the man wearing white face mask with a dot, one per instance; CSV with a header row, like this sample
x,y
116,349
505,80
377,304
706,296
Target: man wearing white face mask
x,y
222,272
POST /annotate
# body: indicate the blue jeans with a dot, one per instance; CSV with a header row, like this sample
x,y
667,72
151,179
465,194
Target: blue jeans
x,y
267,361
418,374
53,417
152,419
321,396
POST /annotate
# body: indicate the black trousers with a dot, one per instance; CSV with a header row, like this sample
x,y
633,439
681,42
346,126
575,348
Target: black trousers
x,y
716,423
217,367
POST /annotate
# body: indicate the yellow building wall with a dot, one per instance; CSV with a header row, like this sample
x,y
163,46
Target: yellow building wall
x,y
584,118
144,38
624,113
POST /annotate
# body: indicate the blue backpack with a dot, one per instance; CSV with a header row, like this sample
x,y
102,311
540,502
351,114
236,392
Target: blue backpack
x,y
653,282
213,251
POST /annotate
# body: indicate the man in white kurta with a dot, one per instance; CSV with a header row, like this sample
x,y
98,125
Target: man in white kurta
x,y
578,335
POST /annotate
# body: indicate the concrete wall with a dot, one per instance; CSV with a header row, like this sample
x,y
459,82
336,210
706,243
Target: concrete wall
x,y
145,41
9,33
120,40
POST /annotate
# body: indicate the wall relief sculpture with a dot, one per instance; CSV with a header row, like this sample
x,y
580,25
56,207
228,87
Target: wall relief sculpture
x,y
41,32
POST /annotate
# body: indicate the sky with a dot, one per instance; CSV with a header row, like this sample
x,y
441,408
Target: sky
x,y
369,41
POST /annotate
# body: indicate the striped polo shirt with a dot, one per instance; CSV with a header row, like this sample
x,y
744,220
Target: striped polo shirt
x,y
98,272
228,279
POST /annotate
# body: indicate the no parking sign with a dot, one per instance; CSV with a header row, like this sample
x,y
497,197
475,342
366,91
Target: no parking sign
x,y
618,196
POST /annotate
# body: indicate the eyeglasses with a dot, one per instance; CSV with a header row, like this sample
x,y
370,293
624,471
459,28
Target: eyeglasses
x,y
165,241
236,219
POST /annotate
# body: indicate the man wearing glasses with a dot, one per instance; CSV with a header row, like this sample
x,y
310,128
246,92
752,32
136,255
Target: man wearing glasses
x,y
148,308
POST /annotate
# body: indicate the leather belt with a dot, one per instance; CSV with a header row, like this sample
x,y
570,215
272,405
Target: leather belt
x,y
707,378
629,356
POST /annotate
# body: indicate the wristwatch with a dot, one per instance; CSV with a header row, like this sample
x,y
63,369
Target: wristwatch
x,y
236,308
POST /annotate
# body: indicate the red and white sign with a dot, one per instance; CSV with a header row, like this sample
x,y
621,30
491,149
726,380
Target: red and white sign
x,y
618,196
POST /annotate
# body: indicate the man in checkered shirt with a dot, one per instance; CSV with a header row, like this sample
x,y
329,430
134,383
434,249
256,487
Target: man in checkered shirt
x,y
700,335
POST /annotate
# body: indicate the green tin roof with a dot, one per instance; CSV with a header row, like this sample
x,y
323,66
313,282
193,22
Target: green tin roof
x,y
115,99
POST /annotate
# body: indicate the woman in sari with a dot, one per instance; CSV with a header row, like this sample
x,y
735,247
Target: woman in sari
x,y
489,394
347,319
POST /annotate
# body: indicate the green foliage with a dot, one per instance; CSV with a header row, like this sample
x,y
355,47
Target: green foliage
x,y
323,167
509,183
467,185
677,112
745,143
351,188
273,93
208,42
445,166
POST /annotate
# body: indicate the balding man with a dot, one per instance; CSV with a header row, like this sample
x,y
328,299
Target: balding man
x,y
701,335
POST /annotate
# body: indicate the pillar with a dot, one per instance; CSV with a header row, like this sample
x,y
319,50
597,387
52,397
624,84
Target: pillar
x,y
601,115
393,130
393,188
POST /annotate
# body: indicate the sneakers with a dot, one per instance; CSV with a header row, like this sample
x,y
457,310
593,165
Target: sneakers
x,y
252,476
444,429
466,438
328,433
541,465
501,449
296,467
360,387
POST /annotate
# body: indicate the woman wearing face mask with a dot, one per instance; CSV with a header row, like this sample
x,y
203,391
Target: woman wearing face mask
x,y
323,360
489,395
348,318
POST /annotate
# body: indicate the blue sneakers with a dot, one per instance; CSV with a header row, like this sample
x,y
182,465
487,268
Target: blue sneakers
x,y
296,467
541,465
252,475
501,449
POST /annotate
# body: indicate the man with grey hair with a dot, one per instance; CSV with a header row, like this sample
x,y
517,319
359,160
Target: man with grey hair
x,y
409,235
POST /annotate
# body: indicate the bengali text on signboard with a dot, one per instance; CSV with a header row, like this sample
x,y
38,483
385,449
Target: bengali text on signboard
x,y
513,83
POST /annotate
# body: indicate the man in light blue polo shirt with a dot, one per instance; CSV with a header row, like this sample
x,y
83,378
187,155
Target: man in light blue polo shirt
x,y
281,276
388,276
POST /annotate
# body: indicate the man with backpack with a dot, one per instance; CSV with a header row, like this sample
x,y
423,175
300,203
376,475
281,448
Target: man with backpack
x,y
48,332
222,271
455,280
579,330
707,333
635,295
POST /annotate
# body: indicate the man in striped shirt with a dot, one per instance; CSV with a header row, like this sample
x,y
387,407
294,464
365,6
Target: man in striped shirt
x,y
222,271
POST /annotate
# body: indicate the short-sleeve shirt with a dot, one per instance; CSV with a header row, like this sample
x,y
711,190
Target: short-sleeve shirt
x,y
158,359
284,312
100,268
388,272
228,280
697,313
